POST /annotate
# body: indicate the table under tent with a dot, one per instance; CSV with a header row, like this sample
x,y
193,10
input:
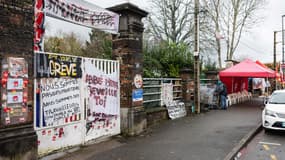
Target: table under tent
x,y
236,79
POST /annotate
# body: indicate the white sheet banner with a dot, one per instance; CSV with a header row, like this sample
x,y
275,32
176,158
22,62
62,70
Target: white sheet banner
x,y
102,88
167,93
82,13
60,100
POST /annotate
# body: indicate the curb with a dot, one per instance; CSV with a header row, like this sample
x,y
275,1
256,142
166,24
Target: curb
x,y
243,142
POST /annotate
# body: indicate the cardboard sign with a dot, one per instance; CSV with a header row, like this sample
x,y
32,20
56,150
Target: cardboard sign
x,y
176,110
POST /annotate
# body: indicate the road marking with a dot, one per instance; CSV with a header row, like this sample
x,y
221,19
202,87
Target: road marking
x,y
266,147
273,157
274,144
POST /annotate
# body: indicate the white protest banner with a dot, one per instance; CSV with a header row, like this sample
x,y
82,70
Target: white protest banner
x,y
167,93
60,100
102,90
82,13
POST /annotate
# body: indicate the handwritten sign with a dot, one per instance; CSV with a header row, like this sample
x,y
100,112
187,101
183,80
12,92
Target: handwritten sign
x,y
55,66
102,89
83,13
167,93
60,100
176,110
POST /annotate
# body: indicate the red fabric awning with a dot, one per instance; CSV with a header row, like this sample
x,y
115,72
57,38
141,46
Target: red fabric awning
x,y
247,68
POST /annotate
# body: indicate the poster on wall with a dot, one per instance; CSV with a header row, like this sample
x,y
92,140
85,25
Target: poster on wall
x,y
60,101
15,83
17,67
82,13
14,97
14,91
55,66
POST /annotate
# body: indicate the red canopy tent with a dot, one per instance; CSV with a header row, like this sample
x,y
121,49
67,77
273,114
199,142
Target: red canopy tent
x,y
236,77
247,68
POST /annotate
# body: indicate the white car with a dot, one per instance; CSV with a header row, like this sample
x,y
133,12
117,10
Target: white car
x,y
273,114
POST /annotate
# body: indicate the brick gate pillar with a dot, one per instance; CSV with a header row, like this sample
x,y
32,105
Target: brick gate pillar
x,y
186,76
18,140
127,48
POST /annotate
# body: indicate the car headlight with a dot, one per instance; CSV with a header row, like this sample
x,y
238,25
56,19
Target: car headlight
x,y
270,113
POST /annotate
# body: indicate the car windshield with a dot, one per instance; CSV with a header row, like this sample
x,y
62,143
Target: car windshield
x,y
277,98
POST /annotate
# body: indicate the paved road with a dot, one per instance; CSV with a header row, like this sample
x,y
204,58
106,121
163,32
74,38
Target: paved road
x,y
265,146
208,136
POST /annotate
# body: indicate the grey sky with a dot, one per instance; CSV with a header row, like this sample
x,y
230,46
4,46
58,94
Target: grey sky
x,y
257,44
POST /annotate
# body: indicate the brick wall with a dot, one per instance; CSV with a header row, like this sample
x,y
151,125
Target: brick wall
x,y
16,40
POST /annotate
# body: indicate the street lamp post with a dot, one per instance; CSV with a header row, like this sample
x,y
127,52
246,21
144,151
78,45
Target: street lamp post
x,y
196,59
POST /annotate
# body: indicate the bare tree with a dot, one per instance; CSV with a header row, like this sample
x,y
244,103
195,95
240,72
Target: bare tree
x,y
171,20
232,18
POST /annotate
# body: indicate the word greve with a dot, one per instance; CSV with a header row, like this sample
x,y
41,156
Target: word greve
x,y
58,69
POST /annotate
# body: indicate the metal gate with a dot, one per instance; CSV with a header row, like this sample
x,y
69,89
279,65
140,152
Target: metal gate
x,y
76,100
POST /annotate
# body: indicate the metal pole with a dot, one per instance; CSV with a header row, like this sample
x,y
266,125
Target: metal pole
x,y
282,48
274,50
274,57
196,59
283,39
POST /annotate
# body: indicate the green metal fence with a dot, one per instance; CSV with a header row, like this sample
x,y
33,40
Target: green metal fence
x,y
152,88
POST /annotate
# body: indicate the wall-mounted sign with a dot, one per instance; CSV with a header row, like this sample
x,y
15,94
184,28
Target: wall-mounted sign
x,y
137,95
138,81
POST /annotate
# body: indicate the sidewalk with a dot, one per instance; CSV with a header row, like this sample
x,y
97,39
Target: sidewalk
x,y
208,136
